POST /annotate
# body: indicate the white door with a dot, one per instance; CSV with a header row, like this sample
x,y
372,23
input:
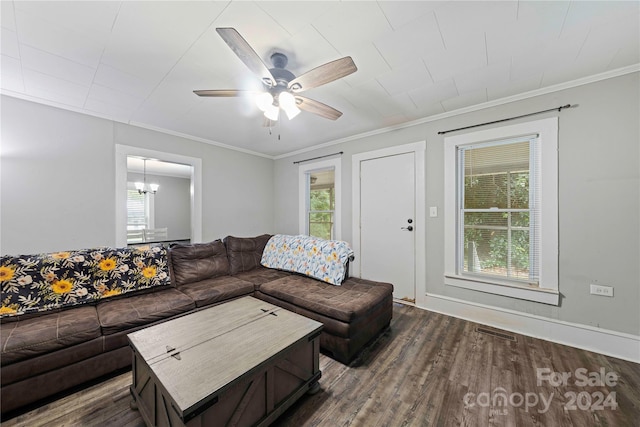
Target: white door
x,y
387,222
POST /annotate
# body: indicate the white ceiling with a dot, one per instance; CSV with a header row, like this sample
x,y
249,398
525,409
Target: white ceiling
x,y
138,62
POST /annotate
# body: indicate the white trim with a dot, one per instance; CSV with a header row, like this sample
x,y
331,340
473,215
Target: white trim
x,y
418,148
526,95
121,152
198,139
303,169
603,341
512,290
547,130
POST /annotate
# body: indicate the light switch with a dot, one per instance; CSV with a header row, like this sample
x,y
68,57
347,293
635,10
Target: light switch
x,y
433,211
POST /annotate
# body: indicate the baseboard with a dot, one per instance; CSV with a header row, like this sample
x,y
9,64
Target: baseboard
x,y
607,342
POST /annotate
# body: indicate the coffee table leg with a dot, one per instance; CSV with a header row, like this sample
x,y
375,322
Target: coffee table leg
x,y
133,404
314,388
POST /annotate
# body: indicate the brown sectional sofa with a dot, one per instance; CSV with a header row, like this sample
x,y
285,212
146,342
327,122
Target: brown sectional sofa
x,y
49,352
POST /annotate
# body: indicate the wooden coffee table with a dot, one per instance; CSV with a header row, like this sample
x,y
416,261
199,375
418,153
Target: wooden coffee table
x,y
240,363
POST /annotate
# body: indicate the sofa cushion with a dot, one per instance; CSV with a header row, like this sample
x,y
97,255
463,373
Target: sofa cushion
x,y
245,253
260,275
345,303
199,261
24,339
135,310
211,291
46,282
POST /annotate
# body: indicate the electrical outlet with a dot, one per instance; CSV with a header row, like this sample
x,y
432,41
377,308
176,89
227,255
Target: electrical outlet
x,y
603,291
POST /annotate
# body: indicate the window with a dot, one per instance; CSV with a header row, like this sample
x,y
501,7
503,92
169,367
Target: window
x,y
320,196
139,214
497,209
501,187
321,204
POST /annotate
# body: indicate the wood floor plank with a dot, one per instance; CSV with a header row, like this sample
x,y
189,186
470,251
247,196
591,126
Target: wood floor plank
x,y
419,372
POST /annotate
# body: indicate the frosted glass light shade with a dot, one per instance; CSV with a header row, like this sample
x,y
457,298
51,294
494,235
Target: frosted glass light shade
x,y
286,100
288,104
272,113
264,101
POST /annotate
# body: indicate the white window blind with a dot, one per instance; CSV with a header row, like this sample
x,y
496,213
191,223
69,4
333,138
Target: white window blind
x,y
136,210
498,209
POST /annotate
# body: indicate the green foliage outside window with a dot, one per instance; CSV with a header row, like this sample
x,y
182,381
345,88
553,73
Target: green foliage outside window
x,y
487,234
321,205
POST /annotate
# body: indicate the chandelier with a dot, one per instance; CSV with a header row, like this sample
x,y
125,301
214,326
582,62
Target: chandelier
x,y
142,186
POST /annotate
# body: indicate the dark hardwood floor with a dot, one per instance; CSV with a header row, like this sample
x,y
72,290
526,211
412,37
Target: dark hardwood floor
x,y
426,370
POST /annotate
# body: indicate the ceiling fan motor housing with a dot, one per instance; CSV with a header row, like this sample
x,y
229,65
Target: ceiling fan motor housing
x,y
279,73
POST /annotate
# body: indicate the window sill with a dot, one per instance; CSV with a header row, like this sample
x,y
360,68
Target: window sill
x,y
545,296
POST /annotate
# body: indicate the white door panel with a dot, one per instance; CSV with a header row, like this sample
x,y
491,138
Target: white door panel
x,y
387,211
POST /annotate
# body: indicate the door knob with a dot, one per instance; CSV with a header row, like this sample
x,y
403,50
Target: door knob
x,y
409,228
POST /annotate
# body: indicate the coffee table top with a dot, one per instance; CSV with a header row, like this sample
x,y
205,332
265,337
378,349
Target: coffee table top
x,y
198,355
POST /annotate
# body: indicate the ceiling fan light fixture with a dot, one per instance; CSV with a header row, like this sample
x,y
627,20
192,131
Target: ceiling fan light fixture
x,y
288,104
264,101
281,85
272,112
292,112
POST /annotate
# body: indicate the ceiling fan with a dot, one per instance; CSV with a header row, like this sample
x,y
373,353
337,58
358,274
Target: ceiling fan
x,y
282,87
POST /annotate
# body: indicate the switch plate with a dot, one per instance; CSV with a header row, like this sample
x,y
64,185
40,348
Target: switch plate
x,y
604,291
433,211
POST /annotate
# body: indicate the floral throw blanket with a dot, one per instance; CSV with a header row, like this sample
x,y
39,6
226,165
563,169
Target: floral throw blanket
x,y
42,282
321,259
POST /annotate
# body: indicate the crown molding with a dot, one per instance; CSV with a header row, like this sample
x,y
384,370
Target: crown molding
x,y
525,95
199,139
73,109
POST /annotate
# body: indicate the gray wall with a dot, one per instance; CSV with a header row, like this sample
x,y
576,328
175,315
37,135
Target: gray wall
x,y
58,180
172,204
57,191
599,199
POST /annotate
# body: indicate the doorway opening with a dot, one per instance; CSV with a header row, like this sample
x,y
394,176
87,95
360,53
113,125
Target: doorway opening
x,y
158,201
167,161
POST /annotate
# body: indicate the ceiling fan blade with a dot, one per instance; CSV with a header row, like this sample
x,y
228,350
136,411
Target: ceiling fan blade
x,y
323,74
246,54
318,108
222,92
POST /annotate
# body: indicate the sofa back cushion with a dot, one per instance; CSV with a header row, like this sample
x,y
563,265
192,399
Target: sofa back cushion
x,y
45,282
245,253
199,261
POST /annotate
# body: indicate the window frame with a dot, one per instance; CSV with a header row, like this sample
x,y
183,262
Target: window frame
x,y
303,194
547,290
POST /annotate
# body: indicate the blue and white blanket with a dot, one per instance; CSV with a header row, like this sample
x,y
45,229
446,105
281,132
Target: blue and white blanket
x,y
321,259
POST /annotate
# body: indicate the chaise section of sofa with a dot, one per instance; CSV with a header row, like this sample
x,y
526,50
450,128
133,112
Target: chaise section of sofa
x,y
353,313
